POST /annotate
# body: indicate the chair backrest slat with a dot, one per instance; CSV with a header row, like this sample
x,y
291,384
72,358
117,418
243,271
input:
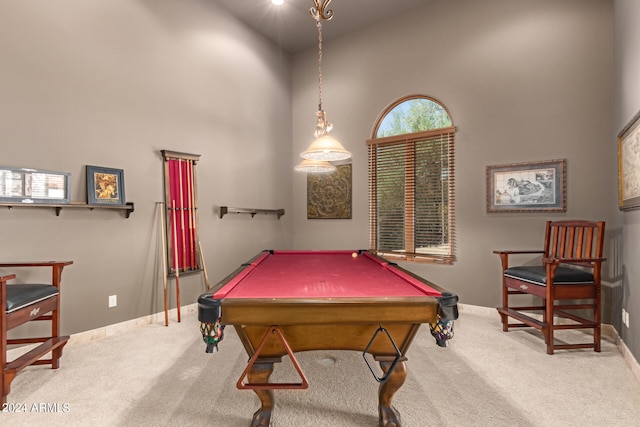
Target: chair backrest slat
x,y
571,240
589,249
581,245
574,241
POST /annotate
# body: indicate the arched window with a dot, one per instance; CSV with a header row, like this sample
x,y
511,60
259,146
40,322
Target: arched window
x,y
411,182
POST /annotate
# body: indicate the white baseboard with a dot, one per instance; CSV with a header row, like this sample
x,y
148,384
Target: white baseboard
x,y
631,361
128,325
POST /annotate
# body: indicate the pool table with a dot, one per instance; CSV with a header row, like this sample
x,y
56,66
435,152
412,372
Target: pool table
x,y
283,302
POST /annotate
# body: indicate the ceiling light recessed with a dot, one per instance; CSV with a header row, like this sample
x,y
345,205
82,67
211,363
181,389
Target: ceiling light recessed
x,y
277,2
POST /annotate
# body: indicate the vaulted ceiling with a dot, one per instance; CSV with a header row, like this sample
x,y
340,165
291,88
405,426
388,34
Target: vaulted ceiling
x,y
292,28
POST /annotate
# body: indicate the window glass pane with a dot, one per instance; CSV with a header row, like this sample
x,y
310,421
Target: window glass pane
x,y
413,115
432,197
391,200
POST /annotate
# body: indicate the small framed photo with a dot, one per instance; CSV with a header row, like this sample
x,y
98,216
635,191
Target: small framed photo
x,y
527,187
629,165
105,186
32,186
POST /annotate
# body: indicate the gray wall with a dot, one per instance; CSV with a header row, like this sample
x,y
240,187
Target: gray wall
x,y
626,105
523,80
113,82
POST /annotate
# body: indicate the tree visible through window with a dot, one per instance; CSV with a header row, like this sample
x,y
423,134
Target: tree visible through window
x,y
411,179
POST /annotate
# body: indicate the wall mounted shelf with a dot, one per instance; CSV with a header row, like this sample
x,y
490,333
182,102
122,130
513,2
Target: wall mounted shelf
x,y
128,208
227,210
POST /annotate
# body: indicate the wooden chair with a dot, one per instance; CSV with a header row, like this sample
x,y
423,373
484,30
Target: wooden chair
x,y
22,303
568,281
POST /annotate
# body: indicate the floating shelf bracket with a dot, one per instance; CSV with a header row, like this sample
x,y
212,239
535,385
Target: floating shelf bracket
x,y
228,210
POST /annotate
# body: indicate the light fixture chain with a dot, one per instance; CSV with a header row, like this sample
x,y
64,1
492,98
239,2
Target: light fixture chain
x,y
319,25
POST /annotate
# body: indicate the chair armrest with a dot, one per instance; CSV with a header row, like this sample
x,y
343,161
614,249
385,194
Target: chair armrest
x,y
549,260
504,256
56,268
36,264
5,279
517,252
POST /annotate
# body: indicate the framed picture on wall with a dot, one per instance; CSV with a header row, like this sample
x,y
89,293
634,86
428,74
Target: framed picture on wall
x,y
629,165
105,186
29,186
329,195
527,187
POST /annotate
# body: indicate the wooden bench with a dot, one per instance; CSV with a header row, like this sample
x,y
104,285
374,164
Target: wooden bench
x,y
567,282
22,303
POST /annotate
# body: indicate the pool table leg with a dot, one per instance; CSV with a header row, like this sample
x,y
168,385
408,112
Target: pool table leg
x,y
389,416
260,373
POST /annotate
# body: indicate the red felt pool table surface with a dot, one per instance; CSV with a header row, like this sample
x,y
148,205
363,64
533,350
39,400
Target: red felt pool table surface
x,y
322,274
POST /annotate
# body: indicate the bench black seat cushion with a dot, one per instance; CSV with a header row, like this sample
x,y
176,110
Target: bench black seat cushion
x,y
19,296
538,274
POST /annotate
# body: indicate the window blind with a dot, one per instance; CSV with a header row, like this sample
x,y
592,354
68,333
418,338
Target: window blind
x,y
411,196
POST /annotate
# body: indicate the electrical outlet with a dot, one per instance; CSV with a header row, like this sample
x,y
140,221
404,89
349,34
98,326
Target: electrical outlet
x,y
113,300
626,318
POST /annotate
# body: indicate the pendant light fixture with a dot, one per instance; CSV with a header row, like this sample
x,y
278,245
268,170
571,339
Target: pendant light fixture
x,y
315,166
325,148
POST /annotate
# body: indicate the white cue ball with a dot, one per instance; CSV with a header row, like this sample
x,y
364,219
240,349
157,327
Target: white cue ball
x,y
355,255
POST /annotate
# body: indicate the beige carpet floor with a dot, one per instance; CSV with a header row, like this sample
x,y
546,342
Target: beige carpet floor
x,y
161,376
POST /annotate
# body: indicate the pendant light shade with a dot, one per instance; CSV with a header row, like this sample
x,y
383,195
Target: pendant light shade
x,y
315,166
326,148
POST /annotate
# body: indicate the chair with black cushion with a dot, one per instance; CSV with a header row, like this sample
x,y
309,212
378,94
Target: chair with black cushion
x,y
567,281
22,303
